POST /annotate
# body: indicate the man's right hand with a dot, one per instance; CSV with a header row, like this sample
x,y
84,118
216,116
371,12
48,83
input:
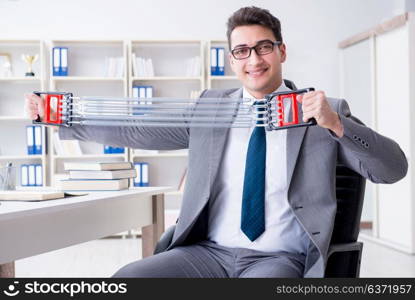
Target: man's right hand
x,y
34,107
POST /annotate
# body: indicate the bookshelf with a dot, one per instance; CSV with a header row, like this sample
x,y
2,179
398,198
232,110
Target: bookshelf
x,y
13,85
89,74
181,68
384,59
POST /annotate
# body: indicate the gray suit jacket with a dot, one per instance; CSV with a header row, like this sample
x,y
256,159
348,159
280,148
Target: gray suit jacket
x,y
312,154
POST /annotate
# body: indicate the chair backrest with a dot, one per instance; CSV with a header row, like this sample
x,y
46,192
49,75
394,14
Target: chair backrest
x,y
350,191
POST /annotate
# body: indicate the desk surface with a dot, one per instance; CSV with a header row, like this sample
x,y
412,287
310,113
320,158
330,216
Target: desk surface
x,y
11,209
30,228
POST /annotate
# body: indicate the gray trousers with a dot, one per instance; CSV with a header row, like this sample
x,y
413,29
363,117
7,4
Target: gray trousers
x,y
209,260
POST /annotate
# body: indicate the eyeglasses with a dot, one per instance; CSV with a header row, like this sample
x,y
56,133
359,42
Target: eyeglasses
x,y
261,48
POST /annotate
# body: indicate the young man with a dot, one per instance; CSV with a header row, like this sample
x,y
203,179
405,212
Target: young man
x,y
256,203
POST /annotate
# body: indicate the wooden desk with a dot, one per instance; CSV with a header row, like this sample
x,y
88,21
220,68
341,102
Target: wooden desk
x,y
31,228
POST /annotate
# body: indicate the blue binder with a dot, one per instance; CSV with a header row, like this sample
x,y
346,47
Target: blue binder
x,y
64,61
117,150
31,175
221,61
30,139
107,149
213,61
37,139
24,175
56,61
38,175
137,180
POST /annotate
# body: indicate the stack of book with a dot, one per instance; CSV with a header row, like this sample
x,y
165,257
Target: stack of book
x,y
98,176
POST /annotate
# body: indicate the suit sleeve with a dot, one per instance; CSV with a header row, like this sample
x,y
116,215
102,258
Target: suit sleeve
x,y
139,137
374,156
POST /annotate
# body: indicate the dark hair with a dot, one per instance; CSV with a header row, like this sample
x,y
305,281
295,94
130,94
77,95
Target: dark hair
x,y
253,16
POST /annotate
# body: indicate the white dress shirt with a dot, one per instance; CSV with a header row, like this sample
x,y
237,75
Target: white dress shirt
x,y
282,230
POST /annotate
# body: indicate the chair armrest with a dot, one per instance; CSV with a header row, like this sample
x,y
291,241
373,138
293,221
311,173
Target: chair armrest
x,y
165,240
347,247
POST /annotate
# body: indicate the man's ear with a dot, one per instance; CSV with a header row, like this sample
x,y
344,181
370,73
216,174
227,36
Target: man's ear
x,y
231,62
283,52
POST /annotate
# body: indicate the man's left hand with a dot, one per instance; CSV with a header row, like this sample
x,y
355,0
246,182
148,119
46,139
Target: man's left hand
x,y
315,105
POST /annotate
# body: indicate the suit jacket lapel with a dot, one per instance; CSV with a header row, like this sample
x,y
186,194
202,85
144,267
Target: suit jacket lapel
x,y
295,138
218,141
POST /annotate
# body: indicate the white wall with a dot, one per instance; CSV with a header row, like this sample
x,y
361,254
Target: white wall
x,y
311,28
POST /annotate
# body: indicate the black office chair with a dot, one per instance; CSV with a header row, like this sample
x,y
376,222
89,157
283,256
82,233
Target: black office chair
x,y
345,252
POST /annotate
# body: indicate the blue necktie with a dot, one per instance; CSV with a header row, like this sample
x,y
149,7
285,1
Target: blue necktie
x,y
253,197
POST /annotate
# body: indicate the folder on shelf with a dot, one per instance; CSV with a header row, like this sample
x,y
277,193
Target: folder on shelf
x,y
144,174
113,150
134,65
31,175
213,61
107,149
137,179
24,175
149,93
221,61
37,139
56,59
117,150
38,176
64,61
30,195
135,91
142,93
30,140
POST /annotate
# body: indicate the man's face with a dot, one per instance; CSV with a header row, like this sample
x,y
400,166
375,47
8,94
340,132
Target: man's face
x,y
260,74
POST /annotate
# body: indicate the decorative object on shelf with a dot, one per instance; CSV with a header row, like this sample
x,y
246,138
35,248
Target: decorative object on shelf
x,y
7,177
5,65
30,60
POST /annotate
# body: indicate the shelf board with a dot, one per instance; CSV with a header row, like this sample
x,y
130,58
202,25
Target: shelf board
x,y
22,78
20,157
223,77
85,78
160,78
122,155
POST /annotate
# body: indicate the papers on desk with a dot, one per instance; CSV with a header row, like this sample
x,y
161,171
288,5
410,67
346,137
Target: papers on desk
x,y
36,194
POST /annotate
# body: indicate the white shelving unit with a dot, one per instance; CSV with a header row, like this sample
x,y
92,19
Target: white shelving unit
x,y
87,76
12,89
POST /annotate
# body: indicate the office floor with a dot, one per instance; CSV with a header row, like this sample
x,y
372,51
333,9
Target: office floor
x,y
102,258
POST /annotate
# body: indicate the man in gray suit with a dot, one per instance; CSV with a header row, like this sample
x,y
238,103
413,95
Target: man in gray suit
x,y
257,203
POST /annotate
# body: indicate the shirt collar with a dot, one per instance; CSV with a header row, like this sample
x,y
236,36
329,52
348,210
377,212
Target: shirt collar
x,y
247,95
